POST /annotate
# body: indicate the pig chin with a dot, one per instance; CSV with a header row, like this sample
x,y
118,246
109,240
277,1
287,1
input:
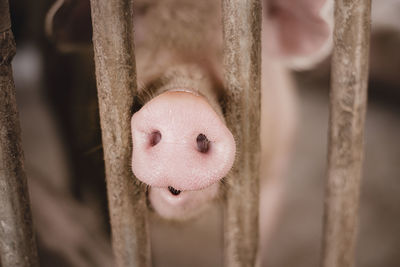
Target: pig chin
x,y
181,148
182,206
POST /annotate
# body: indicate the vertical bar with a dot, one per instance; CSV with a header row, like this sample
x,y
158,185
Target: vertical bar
x,y
17,242
347,115
116,83
242,61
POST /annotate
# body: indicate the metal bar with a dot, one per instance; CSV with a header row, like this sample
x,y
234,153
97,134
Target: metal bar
x,y
116,83
242,61
347,115
17,242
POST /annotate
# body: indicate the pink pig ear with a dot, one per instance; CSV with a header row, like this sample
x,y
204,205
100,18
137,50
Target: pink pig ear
x,y
301,28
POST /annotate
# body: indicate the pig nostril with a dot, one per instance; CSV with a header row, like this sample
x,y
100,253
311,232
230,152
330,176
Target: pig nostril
x,y
155,138
203,144
174,191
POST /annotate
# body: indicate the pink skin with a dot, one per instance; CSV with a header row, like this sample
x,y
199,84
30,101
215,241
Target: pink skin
x,y
167,154
183,206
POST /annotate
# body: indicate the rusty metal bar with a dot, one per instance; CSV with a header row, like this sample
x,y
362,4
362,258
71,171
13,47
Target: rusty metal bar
x,y
116,83
347,115
17,242
242,61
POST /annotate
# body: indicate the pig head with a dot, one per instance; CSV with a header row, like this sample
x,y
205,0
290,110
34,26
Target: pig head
x,y
182,148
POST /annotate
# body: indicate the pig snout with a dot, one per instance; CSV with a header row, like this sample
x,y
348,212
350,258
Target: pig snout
x,y
181,147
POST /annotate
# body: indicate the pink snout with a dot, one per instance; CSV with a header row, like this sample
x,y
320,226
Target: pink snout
x,y
180,143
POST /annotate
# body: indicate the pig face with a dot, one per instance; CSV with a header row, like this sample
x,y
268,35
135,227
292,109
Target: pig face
x,y
181,146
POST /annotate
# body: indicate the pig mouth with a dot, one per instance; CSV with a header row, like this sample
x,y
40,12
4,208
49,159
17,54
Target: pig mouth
x,y
174,191
185,205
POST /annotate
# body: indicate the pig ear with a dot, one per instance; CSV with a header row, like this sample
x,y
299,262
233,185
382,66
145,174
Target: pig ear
x,y
302,29
68,24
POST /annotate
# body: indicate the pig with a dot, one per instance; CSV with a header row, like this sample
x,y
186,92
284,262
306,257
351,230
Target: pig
x,y
181,146
182,149
180,75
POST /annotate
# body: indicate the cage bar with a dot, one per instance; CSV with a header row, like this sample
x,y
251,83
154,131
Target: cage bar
x,y
116,83
17,242
348,101
242,61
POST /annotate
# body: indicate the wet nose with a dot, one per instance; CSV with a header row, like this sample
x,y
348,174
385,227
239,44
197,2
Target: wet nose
x,y
180,142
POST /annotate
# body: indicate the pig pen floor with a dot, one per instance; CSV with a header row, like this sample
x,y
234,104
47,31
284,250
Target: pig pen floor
x,y
297,239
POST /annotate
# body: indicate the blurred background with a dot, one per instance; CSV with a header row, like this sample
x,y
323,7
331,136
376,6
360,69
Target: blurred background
x,y
56,94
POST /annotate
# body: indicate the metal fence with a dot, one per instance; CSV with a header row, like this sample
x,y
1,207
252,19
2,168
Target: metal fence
x,y
116,82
